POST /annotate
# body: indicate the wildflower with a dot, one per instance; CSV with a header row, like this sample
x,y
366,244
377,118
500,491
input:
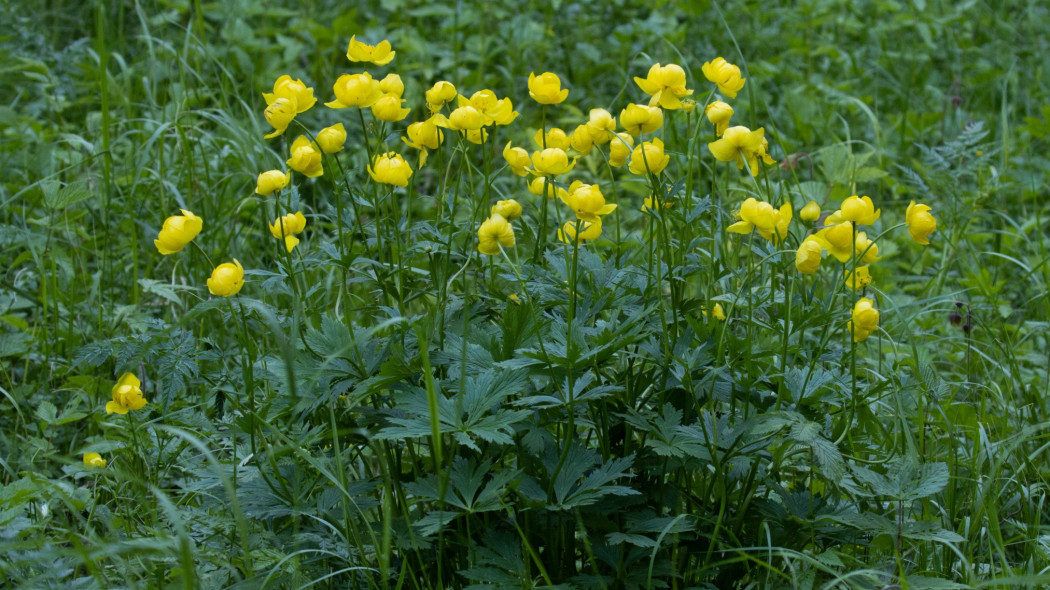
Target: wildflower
x,y
177,232
513,297
440,94
716,312
355,90
807,258
127,395
587,201
502,113
392,84
379,54
639,118
865,319
840,240
719,113
390,168
477,136
589,231
509,209
553,138
426,134
546,88
331,139
287,225
271,181
859,279
518,159
551,162
285,87
601,125
666,85
770,222
541,183
466,118
665,203
810,213
388,108
279,114
725,75
581,139
620,149
226,279
306,157
649,157
921,222
494,232
94,460
739,144
859,210
867,250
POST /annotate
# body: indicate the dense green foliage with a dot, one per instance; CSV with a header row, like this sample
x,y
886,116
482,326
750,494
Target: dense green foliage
x,y
384,407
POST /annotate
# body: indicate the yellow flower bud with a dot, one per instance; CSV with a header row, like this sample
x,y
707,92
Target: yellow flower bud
x,y
306,158
810,213
280,114
865,319
509,209
725,75
331,139
807,258
554,138
94,460
390,168
392,84
620,148
546,88
581,139
518,159
226,279
388,108
177,232
601,125
921,223
589,230
649,157
494,232
719,113
440,94
639,118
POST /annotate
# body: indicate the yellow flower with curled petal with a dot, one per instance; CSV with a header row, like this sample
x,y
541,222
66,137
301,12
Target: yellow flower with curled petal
x,y
581,139
285,87
127,395
546,88
554,138
859,210
379,54
388,108
740,144
440,94
620,148
921,223
865,319
355,90
494,232
502,113
288,224
426,134
518,159
306,157
587,201
177,232
390,168
649,157
541,183
840,240
392,84
666,85
280,114
551,162
601,125
719,113
725,75
810,213
754,214
271,181
589,231
509,209
226,279
639,118
331,139
858,280
809,254
94,460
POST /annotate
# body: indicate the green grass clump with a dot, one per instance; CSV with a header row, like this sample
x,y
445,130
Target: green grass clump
x,y
393,401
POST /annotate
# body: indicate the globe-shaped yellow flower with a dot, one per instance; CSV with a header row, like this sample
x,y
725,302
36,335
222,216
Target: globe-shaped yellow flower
x,y
666,85
541,183
390,168
177,232
808,255
810,213
581,139
494,232
280,114
859,279
331,139
226,279
719,113
271,181
589,230
288,224
509,209
355,90
739,144
466,118
285,87
127,395
551,162
639,118
601,125
587,201
859,210
546,88
518,159
725,75
553,138
392,84
865,319
440,94
388,108
94,461
921,223
649,157
306,157
620,149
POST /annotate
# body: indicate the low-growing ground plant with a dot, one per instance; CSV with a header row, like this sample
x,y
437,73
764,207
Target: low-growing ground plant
x,y
687,295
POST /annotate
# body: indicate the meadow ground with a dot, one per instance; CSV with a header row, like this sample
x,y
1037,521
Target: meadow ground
x,y
577,295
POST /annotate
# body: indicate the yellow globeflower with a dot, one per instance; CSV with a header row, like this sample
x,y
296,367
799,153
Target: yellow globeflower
x,y
839,238
518,159
271,181
509,209
649,157
390,168
666,85
331,139
127,395
285,87
94,460
226,279
494,232
858,280
587,201
546,88
426,134
177,232
551,162
555,138
725,75
719,113
867,250
921,223
379,54
589,230
306,157
810,213
859,210
355,90
466,118
716,312
601,125
280,114
440,94
639,118
739,144
865,319
392,84
477,136
289,224
620,148
388,108
536,187
581,139
807,258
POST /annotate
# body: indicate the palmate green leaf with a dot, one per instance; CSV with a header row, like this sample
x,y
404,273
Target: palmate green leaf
x,y
14,343
579,483
906,479
465,491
